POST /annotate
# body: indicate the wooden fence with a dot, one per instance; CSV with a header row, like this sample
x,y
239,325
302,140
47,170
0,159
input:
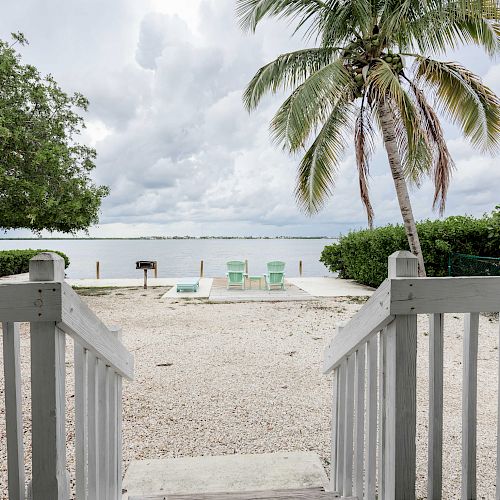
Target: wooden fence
x,y
374,359
54,312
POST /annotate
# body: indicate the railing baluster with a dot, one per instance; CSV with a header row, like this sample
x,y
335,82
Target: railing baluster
x,y
382,355
115,427
112,437
349,426
102,428
359,429
48,345
13,411
498,428
469,406
335,432
119,421
371,420
92,412
81,434
341,386
435,450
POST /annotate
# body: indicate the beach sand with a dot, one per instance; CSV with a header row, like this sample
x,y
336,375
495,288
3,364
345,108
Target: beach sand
x,y
217,379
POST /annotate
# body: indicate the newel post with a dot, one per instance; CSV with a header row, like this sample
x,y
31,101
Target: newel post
x,y
400,411
48,345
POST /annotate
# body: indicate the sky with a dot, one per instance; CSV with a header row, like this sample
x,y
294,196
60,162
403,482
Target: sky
x,y
175,145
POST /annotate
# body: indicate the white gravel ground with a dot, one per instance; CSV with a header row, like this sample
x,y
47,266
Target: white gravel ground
x,y
246,378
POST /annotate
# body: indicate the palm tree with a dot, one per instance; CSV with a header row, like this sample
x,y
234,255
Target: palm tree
x,y
359,79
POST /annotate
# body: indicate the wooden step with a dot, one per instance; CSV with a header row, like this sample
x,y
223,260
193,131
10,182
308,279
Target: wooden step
x,y
301,494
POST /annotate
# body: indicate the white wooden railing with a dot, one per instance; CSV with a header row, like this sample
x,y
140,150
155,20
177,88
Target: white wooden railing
x,y
54,311
373,358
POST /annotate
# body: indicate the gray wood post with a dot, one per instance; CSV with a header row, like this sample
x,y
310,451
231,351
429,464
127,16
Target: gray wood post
x,y
469,405
48,345
13,411
400,430
435,439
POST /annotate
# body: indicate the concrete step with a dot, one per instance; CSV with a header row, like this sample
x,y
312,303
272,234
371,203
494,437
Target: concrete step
x,y
197,477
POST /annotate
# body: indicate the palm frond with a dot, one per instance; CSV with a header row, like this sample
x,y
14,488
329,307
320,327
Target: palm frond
x,y
464,99
413,146
318,168
286,72
310,104
447,27
416,159
385,85
443,164
364,146
346,20
251,12
436,26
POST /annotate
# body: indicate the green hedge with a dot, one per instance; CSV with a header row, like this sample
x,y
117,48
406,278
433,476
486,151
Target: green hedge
x,y
362,255
17,261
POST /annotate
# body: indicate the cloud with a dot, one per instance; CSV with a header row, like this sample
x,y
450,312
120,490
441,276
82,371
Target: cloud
x,y
177,148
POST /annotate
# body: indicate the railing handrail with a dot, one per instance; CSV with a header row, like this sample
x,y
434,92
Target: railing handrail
x,y
398,296
80,322
371,318
56,301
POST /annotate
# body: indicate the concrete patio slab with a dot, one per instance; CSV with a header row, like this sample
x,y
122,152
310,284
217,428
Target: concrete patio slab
x,y
202,293
220,293
232,473
331,287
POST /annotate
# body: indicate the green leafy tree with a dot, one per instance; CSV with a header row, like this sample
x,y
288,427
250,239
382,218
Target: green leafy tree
x,y
45,178
373,71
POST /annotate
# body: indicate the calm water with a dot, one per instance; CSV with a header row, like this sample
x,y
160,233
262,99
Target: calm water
x,y
180,258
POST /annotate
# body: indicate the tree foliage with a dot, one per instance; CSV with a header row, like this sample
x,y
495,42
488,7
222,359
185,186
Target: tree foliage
x,y
362,255
374,55
45,174
18,261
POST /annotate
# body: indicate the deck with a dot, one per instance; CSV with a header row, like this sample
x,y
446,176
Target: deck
x,y
303,493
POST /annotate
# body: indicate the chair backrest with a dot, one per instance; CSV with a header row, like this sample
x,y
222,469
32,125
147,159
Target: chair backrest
x,y
236,266
276,267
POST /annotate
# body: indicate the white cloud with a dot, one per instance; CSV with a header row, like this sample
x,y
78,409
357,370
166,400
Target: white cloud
x,y
177,148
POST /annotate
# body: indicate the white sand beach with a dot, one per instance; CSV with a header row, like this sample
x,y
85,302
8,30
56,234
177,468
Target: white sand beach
x,y
215,379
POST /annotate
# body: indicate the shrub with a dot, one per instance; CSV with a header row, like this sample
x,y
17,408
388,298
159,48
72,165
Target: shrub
x,y
362,255
17,261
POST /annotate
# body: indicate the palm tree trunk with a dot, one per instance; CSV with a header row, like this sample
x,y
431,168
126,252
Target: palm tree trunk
x,y
391,146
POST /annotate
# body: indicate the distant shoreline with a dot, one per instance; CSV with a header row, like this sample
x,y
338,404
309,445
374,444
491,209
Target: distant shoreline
x,y
165,238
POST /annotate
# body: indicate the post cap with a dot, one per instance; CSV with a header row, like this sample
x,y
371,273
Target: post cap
x,y
403,264
47,266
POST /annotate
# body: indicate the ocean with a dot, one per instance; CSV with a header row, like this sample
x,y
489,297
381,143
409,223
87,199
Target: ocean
x,y
181,258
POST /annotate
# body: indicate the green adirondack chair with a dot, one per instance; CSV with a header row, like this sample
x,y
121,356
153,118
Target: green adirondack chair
x,y
235,274
275,277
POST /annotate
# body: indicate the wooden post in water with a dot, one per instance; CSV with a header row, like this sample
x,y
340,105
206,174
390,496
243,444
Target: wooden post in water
x,y
201,269
98,270
145,279
300,268
156,269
